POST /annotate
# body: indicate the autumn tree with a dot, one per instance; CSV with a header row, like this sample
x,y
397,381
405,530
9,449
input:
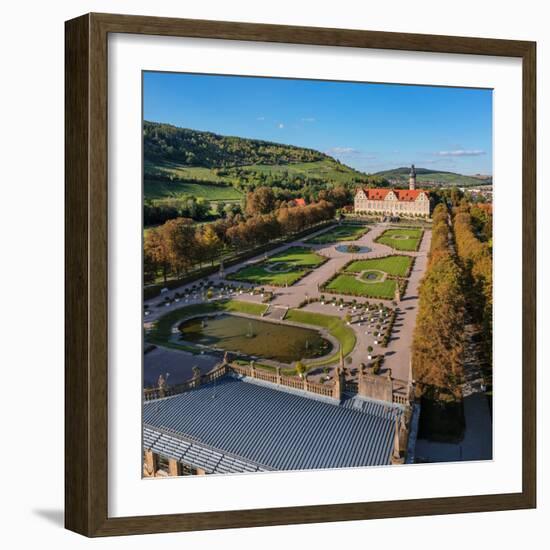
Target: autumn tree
x,y
178,238
208,242
260,201
438,337
438,342
155,251
476,259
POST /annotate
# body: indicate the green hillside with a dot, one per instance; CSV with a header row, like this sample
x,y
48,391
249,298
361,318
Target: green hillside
x,y
165,142
180,162
401,175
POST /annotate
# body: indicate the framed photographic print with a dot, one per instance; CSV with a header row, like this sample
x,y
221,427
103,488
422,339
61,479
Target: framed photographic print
x,y
300,275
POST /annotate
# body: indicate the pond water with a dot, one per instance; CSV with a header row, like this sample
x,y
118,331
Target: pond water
x,y
344,248
255,337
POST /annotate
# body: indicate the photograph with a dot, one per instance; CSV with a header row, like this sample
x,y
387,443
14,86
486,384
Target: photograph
x,y
317,274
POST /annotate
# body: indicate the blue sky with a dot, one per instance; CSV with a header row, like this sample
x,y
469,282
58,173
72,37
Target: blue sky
x,y
371,127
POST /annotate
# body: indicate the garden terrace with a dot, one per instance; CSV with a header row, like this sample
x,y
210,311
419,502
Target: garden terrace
x,y
282,269
353,285
407,239
396,266
348,232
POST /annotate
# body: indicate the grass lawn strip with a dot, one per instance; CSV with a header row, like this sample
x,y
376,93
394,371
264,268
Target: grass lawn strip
x,y
297,262
298,255
401,239
397,266
341,233
351,286
335,326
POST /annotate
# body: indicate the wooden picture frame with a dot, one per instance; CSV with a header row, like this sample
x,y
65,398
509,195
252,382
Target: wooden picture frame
x,y
86,230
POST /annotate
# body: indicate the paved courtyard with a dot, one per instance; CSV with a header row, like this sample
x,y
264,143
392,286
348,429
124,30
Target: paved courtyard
x,y
397,353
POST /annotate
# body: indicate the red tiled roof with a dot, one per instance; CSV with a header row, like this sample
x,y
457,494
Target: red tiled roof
x,y
299,202
376,194
409,194
405,195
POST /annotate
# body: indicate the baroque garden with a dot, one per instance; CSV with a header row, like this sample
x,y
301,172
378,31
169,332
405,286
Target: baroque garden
x,y
329,316
343,329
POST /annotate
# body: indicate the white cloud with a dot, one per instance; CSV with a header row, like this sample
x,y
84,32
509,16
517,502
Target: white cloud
x,y
342,151
351,154
462,153
280,125
308,119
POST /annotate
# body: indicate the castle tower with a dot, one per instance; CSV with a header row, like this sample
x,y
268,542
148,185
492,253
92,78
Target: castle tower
x,y
412,178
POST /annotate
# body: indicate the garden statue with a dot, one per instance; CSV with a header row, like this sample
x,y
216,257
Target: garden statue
x,y
162,385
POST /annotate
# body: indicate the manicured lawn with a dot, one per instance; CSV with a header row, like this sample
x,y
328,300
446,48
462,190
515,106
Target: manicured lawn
x,y
336,327
257,274
398,266
298,255
340,233
350,285
162,328
245,307
401,239
281,269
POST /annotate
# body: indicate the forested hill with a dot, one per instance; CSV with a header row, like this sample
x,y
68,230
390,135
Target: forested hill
x,y
167,143
401,176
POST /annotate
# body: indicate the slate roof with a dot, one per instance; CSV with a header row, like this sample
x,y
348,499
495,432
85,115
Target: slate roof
x,y
236,425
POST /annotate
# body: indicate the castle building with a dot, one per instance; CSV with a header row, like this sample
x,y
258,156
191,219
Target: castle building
x,y
394,202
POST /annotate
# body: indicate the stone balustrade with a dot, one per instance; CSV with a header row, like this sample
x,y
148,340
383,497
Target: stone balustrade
x,y
369,385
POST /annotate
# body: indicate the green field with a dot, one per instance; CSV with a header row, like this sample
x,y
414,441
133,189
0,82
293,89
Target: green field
x,y
340,233
161,332
219,183
398,266
175,189
351,286
326,169
336,327
281,269
401,239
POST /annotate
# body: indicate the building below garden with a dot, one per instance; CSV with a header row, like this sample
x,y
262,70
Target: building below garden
x,y
236,423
